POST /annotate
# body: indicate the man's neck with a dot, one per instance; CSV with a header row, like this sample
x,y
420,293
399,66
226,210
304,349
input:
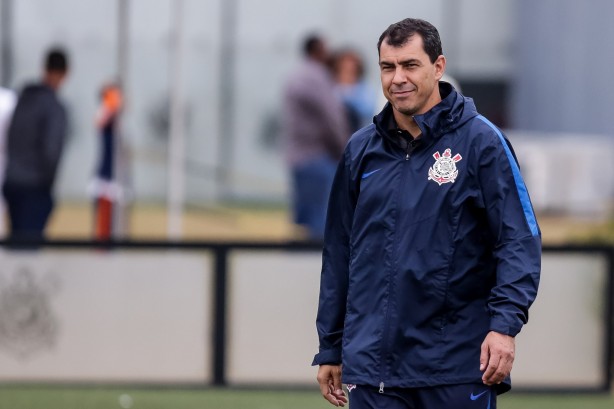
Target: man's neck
x,y
53,80
407,123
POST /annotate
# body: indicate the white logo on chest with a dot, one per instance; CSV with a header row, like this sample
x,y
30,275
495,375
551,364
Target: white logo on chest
x,y
444,170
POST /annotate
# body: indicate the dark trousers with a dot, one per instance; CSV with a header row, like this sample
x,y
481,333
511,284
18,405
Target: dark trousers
x,y
464,396
29,209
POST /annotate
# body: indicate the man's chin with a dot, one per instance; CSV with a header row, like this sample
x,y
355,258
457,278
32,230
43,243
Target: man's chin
x,y
408,111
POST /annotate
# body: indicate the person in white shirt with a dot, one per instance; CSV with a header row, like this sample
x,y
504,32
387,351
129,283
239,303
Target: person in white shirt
x,y
8,99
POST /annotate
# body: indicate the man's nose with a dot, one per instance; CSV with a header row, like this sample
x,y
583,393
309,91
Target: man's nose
x,y
399,76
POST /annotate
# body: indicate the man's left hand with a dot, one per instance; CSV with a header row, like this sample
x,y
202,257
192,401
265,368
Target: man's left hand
x,y
497,357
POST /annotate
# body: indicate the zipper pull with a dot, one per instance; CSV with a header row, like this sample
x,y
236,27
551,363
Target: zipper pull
x,y
410,148
381,387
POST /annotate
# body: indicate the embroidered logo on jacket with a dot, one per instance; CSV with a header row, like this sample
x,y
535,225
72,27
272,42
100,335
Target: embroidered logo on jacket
x,y
444,170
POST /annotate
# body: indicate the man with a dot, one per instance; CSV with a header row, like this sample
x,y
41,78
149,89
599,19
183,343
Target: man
x,y
432,251
34,145
315,132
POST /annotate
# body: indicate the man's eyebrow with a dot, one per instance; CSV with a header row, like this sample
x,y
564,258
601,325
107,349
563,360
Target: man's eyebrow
x,y
387,63
402,62
409,61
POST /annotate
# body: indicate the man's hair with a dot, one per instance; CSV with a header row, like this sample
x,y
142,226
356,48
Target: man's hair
x,y
399,33
56,60
311,44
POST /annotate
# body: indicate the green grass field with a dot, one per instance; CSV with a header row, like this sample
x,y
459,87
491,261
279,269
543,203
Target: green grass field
x,y
104,398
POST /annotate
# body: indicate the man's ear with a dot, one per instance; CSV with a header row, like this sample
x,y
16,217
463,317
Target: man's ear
x,y
440,66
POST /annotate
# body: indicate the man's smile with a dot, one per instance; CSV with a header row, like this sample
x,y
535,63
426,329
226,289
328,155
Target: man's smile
x,y
402,93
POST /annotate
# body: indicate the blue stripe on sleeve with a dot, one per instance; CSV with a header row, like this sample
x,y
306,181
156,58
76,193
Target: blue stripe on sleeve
x,y
520,186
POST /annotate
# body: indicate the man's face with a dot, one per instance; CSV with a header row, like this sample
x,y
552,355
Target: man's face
x,y
55,78
409,79
321,52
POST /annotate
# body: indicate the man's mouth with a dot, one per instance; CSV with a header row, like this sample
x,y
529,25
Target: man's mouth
x,y
402,93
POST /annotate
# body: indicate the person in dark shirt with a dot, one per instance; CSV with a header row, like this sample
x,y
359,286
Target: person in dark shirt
x,y
34,147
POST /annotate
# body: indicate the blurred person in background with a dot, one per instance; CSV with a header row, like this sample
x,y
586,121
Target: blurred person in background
x,y
315,131
432,253
34,146
104,188
8,99
358,97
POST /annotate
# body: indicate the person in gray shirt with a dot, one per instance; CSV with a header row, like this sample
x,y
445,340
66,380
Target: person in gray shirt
x,y
35,140
315,132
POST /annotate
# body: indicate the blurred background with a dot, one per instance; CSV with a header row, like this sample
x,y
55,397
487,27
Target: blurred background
x,y
200,160
211,74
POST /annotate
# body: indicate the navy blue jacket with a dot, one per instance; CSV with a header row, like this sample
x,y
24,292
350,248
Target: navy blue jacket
x,y
427,249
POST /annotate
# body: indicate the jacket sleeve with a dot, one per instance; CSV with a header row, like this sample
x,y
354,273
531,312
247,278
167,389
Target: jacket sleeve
x,y
54,132
517,238
335,266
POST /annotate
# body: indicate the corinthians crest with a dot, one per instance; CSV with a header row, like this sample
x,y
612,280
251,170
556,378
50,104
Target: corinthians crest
x,y
444,170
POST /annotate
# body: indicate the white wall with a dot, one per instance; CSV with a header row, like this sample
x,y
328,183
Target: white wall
x,y
96,316
146,317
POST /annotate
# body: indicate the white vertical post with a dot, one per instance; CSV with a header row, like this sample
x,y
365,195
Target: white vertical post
x,y
176,144
226,106
122,154
6,42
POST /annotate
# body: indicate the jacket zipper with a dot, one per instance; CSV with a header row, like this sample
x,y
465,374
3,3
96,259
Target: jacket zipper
x,y
410,148
408,151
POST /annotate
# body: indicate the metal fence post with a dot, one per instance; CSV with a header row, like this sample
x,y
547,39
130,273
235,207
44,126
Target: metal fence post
x,y
219,315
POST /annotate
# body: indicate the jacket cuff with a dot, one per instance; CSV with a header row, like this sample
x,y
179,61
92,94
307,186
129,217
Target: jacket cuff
x,y
328,357
502,326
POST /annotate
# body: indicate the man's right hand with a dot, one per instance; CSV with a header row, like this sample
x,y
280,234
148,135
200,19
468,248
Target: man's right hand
x,y
329,378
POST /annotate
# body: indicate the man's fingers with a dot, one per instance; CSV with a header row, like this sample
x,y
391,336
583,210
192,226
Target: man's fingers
x,y
499,375
333,401
337,388
498,372
324,389
323,377
327,375
505,367
327,393
484,355
341,397
491,368
496,357
336,397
